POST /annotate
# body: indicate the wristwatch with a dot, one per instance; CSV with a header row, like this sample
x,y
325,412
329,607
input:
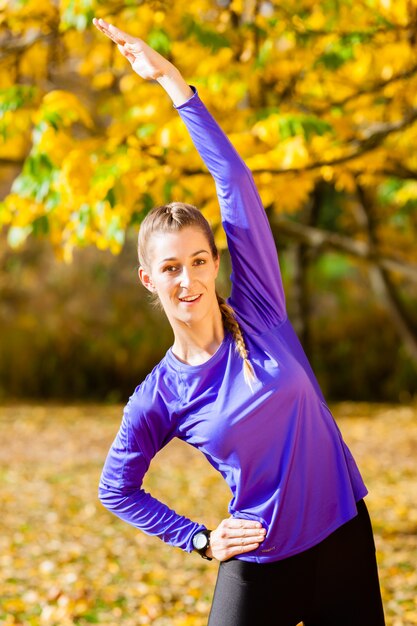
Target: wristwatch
x,y
201,541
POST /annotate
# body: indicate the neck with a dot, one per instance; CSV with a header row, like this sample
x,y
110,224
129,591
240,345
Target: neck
x,y
196,343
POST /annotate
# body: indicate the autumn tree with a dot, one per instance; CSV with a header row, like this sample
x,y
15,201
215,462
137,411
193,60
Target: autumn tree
x,y
318,97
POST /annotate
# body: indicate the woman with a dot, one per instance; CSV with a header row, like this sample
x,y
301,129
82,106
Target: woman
x,y
236,384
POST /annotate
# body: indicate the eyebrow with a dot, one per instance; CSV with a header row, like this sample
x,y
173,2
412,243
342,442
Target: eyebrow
x,y
173,258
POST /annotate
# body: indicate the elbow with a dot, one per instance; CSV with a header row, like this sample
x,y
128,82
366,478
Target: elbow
x,y
240,173
103,495
110,498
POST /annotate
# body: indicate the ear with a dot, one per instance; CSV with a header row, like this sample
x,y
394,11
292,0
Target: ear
x,y
146,279
217,263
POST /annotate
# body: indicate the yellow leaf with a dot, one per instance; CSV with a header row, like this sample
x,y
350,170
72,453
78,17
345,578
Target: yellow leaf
x,y
67,106
292,191
211,212
345,181
34,61
56,144
103,80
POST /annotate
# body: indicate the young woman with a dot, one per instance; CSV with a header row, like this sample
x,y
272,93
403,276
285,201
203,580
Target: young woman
x,y
237,385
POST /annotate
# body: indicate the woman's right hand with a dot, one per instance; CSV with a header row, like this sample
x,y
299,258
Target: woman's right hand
x,y
145,61
235,536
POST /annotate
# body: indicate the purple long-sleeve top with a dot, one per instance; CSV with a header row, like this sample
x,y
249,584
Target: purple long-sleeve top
x,y
277,444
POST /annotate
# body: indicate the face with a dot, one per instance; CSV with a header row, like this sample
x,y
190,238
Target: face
x,y
182,272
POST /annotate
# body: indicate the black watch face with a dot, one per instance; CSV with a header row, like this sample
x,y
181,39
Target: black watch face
x,y
200,541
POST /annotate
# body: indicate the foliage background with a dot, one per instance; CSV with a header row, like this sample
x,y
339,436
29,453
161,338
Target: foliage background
x,y
318,97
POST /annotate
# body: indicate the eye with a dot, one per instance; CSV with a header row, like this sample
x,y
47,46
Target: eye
x,y
170,268
200,262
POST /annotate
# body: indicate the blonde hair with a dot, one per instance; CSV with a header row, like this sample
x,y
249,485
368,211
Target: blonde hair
x,y
174,217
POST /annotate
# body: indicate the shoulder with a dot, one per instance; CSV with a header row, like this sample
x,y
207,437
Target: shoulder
x,y
156,397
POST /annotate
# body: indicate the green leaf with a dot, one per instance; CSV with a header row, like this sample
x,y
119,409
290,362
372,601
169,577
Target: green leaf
x,y
336,55
146,130
389,189
53,200
160,41
334,266
78,15
36,178
264,53
205,35
114,230
332,207
40,226
13,98
111,197
167,191
18,235
307,125
334,59
54,118
262,114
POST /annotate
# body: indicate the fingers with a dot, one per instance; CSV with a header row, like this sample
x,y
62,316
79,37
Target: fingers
x,y
114,33
245,534
239,540
136,46
236,536
235,522
242,549
243,531
242,540
104,27
128,55
246,539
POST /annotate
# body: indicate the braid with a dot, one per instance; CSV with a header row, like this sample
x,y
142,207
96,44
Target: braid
x,y
231,324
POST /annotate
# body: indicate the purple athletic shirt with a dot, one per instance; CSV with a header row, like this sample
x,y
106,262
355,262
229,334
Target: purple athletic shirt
x,y
277,446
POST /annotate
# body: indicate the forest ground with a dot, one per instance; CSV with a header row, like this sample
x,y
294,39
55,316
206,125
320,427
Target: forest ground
x,y
64,560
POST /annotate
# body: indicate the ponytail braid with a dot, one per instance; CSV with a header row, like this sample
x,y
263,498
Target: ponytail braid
x,y
231,324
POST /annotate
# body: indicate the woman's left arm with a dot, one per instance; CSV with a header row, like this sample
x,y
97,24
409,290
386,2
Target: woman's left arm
x,y
147,63
257,291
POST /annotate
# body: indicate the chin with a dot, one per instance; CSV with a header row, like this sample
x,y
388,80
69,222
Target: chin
x,y
191,317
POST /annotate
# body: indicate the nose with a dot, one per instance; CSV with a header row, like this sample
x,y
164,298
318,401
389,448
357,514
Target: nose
x,y
185,278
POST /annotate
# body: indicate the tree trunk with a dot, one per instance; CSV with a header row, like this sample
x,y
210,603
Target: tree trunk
x,y
382,284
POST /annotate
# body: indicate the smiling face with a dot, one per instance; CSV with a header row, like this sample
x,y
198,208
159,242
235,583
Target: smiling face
x,y
182,271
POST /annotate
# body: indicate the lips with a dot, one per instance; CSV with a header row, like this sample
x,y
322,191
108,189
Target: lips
x,y
190,299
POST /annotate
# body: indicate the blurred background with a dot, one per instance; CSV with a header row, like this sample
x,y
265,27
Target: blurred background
x,y
320,99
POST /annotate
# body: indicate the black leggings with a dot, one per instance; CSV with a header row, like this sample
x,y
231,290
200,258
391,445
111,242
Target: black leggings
x,y
335,583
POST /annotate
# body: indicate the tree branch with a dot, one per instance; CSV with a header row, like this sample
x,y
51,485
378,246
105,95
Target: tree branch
x,y
12,45
398,170
301,29
14,162
374,140
365,91
361,147
318,238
